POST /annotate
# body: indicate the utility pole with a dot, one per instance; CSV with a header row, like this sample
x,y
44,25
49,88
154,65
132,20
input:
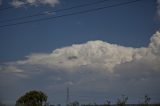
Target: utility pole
x,y
67,97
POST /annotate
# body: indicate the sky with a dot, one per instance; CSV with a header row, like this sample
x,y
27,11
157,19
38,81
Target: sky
x,y
106,53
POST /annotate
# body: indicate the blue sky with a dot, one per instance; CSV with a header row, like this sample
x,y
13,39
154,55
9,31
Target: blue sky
x,y
130,25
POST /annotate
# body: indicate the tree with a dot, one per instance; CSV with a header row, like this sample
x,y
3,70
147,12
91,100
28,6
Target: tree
x,y
122,101
108,102
32,98
75,103
146,99
1,104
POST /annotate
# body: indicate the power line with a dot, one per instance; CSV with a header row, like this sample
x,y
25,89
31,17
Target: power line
x,y
59,10
71,14
6,8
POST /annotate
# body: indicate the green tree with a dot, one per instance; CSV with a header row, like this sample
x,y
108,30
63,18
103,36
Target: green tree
x,y
32,98
122,100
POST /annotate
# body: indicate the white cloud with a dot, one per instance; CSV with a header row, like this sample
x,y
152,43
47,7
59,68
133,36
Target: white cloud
x,y
95,66
13,69
94,55
50,2
18,3
155,43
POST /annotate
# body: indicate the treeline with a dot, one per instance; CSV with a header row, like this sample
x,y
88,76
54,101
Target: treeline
x,y
94,104
38,98
122,101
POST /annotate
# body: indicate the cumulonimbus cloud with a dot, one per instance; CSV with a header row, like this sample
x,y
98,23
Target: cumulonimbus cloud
x,y
18,3
93,54
95,66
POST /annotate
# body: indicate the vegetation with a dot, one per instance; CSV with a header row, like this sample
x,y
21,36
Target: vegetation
x,y
38,98
75,103
108,103
32,98
1,104
122,100
146,100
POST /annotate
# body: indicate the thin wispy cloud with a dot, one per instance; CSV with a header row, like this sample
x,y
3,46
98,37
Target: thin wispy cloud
x,y
19,3
49,13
